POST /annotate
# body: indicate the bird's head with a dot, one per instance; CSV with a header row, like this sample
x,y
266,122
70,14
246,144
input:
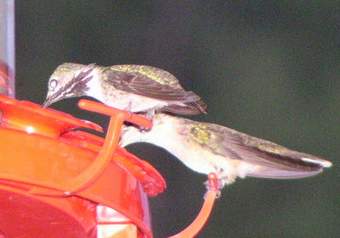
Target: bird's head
x,y
68,80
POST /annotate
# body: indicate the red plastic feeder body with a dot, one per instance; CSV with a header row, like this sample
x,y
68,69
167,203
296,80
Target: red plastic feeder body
x,y
57,181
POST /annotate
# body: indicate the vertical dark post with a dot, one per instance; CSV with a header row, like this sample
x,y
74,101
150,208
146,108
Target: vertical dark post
x,y
7,48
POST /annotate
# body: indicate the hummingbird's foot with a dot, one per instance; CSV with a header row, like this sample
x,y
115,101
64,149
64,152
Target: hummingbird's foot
x,y
214,183
220,180
227,179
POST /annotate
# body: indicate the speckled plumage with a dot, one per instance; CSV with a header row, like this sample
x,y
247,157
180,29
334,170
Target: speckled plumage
x,y
160,76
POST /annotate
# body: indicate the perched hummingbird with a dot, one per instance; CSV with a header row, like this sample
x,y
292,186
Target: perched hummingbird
x,y
136,88
206,148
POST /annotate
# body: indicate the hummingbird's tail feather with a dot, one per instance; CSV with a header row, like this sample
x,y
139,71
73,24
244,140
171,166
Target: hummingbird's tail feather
x,y
269,159
272,173
190,108
290,167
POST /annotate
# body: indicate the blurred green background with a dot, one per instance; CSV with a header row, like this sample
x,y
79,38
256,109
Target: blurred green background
x,y
267,68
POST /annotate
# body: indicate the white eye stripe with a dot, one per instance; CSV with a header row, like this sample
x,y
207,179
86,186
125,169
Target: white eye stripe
x,y
53,84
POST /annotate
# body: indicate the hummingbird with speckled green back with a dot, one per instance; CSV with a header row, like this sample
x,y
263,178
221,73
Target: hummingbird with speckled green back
x,y
136,88
211,148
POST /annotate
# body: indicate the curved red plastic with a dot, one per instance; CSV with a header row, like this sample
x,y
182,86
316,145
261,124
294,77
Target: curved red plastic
x,y
152,181
94,170
111,141
210,197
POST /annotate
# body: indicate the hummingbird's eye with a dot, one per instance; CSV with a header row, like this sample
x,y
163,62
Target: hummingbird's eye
x,y
53,84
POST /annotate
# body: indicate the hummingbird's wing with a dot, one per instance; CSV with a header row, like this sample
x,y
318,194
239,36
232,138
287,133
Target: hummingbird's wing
x,y
149,82
271,160
190,108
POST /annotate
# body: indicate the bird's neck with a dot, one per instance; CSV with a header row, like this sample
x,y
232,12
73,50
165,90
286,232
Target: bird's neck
x,y
94,85
164,136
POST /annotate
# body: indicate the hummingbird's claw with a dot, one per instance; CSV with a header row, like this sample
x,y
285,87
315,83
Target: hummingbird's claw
x,y
214,183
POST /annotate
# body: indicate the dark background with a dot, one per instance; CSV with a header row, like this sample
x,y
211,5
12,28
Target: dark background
x,y
267,68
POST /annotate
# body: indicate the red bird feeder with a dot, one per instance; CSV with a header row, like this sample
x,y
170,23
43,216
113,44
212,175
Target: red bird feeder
x,y
59,181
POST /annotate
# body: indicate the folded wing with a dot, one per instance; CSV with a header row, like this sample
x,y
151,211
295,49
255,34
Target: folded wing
x,y
270,160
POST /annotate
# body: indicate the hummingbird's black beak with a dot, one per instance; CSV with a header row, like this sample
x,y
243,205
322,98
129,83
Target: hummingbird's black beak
x,y
47,102
52,98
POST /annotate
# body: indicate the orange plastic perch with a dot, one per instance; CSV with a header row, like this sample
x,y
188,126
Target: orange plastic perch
x,y
92,106
202,217
111,141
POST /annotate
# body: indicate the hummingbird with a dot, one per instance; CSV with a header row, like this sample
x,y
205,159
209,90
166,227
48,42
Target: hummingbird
x,y
212,148
136,88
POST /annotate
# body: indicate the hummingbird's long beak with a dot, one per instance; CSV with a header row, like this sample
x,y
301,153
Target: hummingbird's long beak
x,y
48,102
52,98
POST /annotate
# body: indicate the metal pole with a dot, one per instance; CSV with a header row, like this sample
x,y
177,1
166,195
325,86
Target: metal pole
x,y
7,48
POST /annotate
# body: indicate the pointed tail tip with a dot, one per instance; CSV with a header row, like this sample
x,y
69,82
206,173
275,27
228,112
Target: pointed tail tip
x,y
322,163
326,164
